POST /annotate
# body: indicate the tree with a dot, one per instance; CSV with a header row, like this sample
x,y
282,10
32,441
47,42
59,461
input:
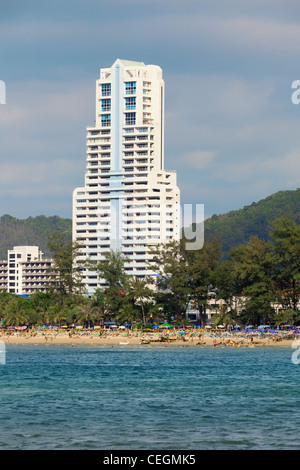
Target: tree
x,y
226,318
290,317
86,313
66,274
100,300
227,284
40,303
171,268
57,314
139,293
112,270
128,313
285,246
202,266
252,267
17,312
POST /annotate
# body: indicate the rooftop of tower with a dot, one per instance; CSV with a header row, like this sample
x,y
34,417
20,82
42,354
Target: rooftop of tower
x,y
129,63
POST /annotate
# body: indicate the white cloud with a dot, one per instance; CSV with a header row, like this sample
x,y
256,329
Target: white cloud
x,y
42,122
199,27
198,159
225,130
261,167
287,167
38,178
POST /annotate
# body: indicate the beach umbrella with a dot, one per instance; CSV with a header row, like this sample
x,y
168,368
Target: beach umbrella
x,y
208,327
165,325
236,326
249,327
220,326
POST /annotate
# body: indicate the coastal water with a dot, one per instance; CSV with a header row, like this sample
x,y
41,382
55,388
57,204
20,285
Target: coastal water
x,y
62,397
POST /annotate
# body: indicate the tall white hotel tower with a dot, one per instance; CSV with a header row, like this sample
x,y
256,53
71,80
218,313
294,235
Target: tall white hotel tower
x,y
129,202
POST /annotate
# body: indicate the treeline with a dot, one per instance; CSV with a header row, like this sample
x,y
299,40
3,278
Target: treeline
x,y
252,280
31,231
236,227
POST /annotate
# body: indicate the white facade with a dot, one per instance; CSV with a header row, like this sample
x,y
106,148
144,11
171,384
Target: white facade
x,y
25,271
128,202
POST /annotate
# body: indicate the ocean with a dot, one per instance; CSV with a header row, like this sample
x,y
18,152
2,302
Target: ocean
x,y
122,397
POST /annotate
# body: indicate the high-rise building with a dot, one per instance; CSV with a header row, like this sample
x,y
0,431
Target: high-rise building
x,y
128,202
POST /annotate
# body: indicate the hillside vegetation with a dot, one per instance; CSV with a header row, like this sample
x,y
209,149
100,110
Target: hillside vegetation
x,y
31,231
236,227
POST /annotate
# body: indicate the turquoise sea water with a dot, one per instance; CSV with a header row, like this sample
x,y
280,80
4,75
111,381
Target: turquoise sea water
x,y
55,397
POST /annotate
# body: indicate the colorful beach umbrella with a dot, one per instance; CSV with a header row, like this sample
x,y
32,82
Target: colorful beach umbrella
x,y
165,325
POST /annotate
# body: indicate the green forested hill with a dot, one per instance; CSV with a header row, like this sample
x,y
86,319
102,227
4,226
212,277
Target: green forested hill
x,y
236,227
31,231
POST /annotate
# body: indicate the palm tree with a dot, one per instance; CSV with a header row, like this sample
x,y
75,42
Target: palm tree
x,y
128,313
226,318
86,313
16,313
57,314
139,293
287,317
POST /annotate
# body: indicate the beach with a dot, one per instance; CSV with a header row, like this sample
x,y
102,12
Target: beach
x,y
194,338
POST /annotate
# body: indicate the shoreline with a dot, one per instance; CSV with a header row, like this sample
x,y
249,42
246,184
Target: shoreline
x,y
150,340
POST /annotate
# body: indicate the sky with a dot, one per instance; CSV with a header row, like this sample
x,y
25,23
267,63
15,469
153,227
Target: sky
x,y
231,128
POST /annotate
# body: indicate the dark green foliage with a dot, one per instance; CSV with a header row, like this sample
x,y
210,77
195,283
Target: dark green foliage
x,y
31,231
66,272
250,259
236,227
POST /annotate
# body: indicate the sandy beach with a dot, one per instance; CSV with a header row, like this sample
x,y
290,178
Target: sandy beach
x,y
151,339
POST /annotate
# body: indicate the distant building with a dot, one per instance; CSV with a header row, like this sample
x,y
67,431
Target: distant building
x,y
129,202
25,271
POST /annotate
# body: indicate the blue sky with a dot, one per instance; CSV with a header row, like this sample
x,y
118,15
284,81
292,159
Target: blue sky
x,y
231,129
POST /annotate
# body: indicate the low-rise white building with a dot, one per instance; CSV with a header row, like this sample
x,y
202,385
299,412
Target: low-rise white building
x,y
25,271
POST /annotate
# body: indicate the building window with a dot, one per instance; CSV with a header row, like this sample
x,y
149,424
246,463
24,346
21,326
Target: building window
x,y
130,102
106,89
106,104
129,119
105,120
130,88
